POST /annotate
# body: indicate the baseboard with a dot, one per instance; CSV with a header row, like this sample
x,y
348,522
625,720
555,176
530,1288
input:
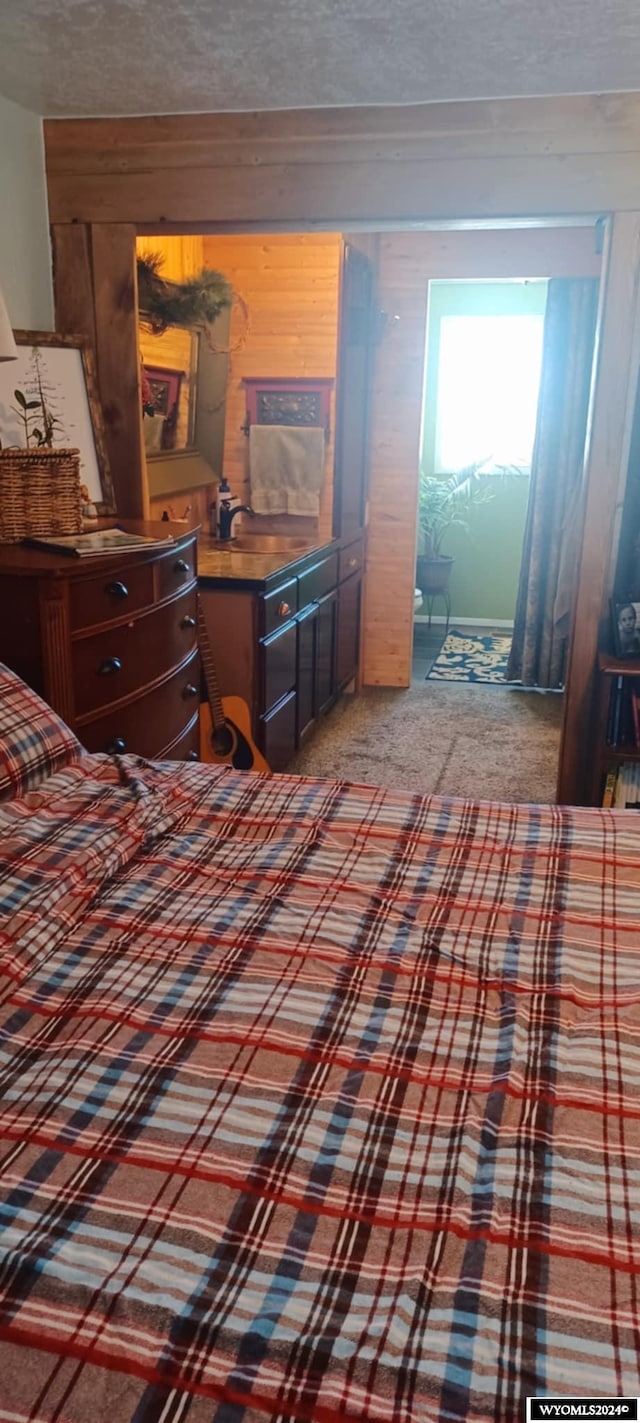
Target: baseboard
x,y
422,619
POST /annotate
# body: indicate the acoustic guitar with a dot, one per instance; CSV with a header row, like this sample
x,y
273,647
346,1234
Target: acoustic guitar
x,y
225,724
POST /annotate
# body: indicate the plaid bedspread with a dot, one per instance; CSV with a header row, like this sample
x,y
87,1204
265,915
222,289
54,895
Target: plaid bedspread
x,y
316,1103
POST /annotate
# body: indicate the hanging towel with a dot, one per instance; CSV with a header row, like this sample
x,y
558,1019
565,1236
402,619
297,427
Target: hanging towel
x,y
286,468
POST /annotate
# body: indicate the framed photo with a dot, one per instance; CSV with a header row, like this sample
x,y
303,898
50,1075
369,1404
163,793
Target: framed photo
x,y
60,369
626,628
165,389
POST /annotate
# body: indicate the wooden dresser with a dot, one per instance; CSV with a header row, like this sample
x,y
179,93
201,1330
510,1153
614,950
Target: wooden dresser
x,y
109,642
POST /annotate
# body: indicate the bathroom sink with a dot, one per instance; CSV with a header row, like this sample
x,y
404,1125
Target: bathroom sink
x,y
268,543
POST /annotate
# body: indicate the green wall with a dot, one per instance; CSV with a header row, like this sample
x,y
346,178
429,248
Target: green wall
x,y
484,580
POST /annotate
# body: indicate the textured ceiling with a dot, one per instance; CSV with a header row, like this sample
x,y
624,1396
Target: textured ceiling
x,y
101,57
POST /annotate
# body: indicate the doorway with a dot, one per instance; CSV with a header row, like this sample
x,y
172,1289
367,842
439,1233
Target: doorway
x,y
483,357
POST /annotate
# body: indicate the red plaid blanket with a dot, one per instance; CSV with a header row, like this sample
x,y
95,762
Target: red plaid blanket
x,y
316,1102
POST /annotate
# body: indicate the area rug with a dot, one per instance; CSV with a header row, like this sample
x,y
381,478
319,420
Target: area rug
x,y
467,657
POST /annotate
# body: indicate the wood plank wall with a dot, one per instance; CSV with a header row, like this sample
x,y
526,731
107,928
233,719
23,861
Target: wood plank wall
x,y
407,262
284,322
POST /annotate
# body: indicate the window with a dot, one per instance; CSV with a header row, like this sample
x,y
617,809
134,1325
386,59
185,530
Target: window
x,y
488,378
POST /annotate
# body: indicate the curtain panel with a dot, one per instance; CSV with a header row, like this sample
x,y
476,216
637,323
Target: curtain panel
x,y
554,513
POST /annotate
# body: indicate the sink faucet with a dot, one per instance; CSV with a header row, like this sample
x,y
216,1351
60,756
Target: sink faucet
x,y
227,516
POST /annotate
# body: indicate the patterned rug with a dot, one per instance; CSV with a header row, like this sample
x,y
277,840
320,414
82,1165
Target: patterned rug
x,y
466,657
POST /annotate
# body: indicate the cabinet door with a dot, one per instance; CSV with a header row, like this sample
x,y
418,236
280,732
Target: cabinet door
x,y
279,665
348,631
353,400
277,733
326,652
306,685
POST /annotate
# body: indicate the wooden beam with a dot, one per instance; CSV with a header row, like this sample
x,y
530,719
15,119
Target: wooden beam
x,y
491,158
113,250
73,281
610,424
340,194
588,124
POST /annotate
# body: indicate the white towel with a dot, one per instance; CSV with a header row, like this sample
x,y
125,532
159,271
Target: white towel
x,y
286,468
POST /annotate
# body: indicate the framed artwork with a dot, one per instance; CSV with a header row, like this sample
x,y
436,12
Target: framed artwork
x,y
60,370
165,388
298,400
626,628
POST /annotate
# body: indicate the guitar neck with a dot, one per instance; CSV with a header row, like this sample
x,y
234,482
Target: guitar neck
x,y
209,669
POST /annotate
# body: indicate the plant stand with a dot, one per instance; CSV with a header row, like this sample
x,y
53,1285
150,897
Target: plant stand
x,y
443,593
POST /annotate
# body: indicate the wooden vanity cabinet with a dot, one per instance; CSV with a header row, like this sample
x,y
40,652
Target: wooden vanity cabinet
x,y
275,646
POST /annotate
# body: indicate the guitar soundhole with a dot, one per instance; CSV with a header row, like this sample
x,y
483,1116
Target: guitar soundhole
x,y
222,740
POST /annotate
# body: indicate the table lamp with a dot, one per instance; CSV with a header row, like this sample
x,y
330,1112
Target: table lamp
x,y
8,348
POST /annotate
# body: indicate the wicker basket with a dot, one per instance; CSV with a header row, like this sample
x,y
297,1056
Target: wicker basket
x,y
39,493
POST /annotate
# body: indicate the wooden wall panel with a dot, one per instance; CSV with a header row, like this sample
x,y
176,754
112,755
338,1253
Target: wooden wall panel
x,y
491,158
284,323
408,261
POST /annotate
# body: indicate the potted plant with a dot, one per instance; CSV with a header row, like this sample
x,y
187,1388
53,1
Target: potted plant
x,y
445,503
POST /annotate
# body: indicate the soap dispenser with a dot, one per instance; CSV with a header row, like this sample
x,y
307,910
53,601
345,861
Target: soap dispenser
x,y
230,501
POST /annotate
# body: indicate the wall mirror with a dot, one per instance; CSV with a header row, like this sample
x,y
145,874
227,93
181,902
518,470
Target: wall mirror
x,y
185,372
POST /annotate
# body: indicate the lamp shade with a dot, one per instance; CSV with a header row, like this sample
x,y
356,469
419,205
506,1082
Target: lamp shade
x,y
8,348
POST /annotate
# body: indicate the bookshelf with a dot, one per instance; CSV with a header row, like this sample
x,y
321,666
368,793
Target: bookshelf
x,y
618,727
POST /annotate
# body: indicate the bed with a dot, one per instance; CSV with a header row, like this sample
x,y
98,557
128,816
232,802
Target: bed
x,y
317,1102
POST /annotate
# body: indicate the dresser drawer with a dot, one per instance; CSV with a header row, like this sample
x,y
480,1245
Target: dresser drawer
x,y
187,746
150,723
279,606
318,580
350,560
174,571
112,664
99,600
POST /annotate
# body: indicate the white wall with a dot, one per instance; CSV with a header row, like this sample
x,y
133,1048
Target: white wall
x,y
25,252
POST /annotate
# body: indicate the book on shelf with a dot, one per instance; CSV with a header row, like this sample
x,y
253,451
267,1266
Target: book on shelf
x,y
623,720
635,714
622,787
99,541
609,793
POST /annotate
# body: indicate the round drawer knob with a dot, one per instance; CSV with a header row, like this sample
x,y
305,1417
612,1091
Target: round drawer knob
x,y
117,590
188,622
192,756
353,563
109,666
181,566
116,746
190,690
283,610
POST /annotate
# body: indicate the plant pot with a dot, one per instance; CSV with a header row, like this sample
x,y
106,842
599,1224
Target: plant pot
x,y
432,574
39,493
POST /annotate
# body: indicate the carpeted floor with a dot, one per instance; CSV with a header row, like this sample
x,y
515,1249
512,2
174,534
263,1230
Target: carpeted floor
x,y
472,657
484,742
